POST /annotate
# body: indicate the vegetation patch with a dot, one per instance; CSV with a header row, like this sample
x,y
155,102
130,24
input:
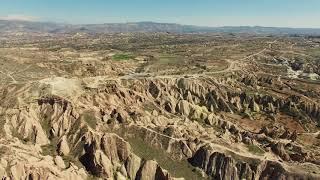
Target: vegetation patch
x,y
71,159
45,123
169,60
121,57
315,52
77,151
23,139
255,149
3,150
175,167
2,123
50,149
92,177
90,119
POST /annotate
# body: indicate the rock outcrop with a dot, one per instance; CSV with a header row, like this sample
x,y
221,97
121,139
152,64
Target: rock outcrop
x,y
183,118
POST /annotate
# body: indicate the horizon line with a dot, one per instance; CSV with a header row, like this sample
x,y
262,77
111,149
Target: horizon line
x,y
155,22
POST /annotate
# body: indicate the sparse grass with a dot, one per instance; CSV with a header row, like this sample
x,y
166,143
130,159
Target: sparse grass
x,y
165,59
218,129
45,124
50,149
315,52
3,150
168,60
18,135
175,167
255,149
122,57
149,107
78,149
71,159
92,177
2,123
217,66
90,119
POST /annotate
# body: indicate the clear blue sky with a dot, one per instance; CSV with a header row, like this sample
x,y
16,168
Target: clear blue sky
x,y
289,13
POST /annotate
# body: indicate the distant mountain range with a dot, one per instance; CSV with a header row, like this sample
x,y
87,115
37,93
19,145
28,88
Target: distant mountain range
x,y
48,27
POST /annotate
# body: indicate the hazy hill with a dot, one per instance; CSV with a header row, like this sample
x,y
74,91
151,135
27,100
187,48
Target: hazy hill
x,y
48,27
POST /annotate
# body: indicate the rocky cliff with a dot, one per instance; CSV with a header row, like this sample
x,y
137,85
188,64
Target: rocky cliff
x,y
50,134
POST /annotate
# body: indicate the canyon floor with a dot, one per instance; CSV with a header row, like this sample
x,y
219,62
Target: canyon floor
x,y
159,106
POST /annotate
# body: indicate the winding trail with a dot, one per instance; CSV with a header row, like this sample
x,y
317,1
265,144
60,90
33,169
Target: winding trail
x,y
10,76
234,65
160,134
214,145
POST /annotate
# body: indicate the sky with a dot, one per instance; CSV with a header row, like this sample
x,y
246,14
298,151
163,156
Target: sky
x,y
276,13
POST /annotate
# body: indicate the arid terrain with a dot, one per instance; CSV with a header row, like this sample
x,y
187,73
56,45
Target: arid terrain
x,y
148,105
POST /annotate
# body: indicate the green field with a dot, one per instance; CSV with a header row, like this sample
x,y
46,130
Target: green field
x,y
121,57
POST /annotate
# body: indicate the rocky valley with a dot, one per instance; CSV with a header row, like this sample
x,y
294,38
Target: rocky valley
x,y
164,106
